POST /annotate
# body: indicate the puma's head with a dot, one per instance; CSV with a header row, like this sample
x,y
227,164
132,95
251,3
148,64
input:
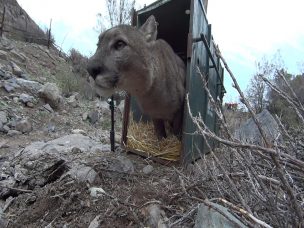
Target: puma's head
x,y
121,61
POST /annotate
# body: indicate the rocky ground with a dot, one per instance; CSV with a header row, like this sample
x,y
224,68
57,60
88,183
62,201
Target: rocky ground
x,y
56,167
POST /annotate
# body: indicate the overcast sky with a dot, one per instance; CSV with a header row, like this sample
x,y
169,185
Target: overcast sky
x,y
245,30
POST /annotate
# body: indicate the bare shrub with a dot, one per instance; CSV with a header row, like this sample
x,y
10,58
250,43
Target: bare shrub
x,y
79,62
262,185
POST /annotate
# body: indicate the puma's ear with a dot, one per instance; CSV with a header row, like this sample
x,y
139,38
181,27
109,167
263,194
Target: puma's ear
x,y
149,29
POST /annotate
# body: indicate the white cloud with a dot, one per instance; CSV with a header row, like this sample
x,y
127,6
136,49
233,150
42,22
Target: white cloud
x,y
257,26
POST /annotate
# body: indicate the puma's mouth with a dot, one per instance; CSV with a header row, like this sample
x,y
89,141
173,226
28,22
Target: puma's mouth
x,y
105,85
106,81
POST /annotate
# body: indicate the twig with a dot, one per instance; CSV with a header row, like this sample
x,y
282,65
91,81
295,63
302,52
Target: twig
x,y
17,189
285,184
151,202
187,215
243,212
10,201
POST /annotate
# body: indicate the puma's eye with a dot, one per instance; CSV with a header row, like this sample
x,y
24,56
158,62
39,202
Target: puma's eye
x,y
119,45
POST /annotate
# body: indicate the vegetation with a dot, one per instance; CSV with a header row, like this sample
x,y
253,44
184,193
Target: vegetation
x,y
268,86
261,184
68,81
79,62
118,12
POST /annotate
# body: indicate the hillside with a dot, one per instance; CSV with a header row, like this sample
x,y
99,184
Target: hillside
x,y
57,168
28,119
19,25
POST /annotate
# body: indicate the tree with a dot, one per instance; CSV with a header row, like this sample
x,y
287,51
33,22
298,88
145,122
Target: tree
x,y
118,12
256,92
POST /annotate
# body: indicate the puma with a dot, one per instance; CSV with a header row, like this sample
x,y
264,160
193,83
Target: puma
x,y
133,60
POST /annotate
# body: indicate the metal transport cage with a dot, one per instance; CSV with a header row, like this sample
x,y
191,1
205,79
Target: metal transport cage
x,y
184,25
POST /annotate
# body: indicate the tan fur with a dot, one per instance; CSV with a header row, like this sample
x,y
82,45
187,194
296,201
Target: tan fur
x,y
145,67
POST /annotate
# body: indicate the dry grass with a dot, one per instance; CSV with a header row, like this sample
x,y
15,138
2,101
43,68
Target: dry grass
x,y
141,138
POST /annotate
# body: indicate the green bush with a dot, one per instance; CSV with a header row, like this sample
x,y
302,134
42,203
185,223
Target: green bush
x,y
67,81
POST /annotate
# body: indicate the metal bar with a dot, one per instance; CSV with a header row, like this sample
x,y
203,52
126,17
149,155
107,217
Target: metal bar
x,y
112,132
126,116
203,38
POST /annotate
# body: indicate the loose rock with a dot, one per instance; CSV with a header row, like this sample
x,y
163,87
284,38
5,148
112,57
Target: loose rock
x,y
51,94
3,55
83,174
13,133
3,117
148,169
48,108
93,116
96,192
24,126
32,86
96,222
25,98
16,69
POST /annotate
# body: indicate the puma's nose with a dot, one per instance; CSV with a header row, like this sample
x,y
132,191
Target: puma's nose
x,y
94,70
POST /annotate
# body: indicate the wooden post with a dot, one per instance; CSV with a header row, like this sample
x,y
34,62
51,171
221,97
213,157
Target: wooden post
x,y
2,22
49,35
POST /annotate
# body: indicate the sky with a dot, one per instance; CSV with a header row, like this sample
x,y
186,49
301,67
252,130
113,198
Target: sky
x,y
245,30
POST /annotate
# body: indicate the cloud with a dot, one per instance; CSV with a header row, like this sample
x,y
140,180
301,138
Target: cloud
x,y
256,26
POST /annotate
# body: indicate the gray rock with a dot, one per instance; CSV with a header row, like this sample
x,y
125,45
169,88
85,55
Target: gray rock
x,y
25,98
13,133
99,149
12,123
16,69
48,108
85,116
95,222
16,99
25,76
24,126
3,55
3,117
51,127
4,129
29,85
73,100
51,95
18,56
249,132
78,131
4,75
96,192
9,88
11,84
93,116
30,104
4,221
209,217
148,169
103,106
43,162
126,164
83,174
